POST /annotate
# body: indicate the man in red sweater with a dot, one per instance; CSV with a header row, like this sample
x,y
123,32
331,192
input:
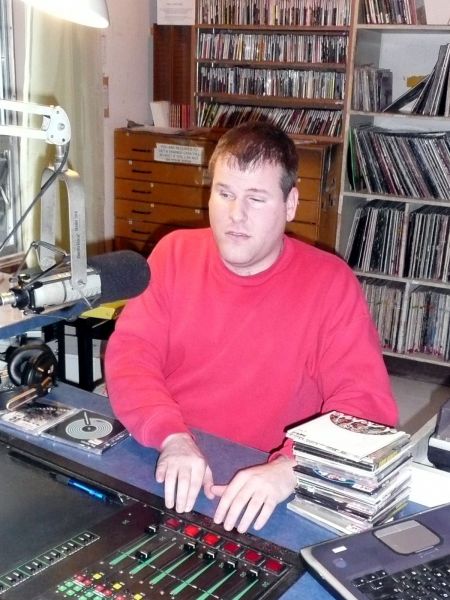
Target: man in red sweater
x,y
243,332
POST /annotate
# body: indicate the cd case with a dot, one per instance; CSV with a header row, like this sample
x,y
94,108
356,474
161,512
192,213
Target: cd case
x,y
36,417
348,438
79,428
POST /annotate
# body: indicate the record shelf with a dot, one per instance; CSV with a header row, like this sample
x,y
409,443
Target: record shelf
x,y
393,223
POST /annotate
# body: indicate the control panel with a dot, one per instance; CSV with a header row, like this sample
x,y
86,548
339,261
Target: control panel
x,y
144,552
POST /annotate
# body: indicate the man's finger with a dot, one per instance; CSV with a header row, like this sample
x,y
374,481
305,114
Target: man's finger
x,y
160,473
208,484
170,483
183,483
194,488
218,490
263,516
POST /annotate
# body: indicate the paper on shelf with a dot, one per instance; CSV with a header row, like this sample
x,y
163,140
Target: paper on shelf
x,y
429,486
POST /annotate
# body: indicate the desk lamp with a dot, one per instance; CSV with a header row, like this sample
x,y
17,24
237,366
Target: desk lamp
x,y
93,13
55,129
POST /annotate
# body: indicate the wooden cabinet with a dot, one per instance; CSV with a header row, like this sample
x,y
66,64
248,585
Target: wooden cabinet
x,y
154,196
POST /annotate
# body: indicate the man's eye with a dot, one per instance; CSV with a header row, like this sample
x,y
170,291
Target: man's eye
x,y
258,200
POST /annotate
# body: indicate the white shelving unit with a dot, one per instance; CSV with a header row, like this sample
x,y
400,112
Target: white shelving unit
x,y
406,50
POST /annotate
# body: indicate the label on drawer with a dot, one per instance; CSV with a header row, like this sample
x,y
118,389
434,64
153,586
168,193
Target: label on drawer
x,y
177,153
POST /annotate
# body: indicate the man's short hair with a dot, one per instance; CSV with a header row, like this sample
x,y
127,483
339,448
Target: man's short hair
x,y
255,143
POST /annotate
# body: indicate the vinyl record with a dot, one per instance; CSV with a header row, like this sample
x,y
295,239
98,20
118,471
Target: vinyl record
x,y
88,428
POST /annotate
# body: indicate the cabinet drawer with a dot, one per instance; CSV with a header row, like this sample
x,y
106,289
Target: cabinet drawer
x,y
148,191
309,189
304,231
144,248
140,145
162,172
311,161
307,211
146,244
160,213
147,231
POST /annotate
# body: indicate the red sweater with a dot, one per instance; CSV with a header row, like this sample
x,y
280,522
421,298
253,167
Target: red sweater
x,y
244,358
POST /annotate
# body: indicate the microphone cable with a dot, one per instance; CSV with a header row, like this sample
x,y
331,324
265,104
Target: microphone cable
x,y
38,196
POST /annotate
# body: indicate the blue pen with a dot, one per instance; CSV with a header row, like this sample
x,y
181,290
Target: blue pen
x,y
84,487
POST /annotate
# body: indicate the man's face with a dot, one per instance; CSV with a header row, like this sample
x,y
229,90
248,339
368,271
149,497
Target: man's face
x,y
248,214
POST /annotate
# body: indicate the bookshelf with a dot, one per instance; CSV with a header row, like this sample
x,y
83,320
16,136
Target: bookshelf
x,y
394,204
273,61
287,62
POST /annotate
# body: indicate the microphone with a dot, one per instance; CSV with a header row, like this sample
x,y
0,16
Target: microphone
x,y
112,276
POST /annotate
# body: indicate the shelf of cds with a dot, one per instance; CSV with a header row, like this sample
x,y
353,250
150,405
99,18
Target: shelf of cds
x,y
394,207
285,62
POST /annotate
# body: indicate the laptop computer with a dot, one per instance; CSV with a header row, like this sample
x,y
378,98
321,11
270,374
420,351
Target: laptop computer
x,y
408,558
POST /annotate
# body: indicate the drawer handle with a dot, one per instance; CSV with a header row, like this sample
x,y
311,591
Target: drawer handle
x,y
140,232
141,212
141,191
141,171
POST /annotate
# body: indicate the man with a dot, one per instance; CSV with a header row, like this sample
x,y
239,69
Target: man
x,y
242,333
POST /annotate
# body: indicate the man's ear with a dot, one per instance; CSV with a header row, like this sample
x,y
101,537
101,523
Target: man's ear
x,y
291,204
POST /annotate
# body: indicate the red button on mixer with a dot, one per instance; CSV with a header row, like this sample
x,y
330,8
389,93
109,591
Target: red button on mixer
x,y
253,557
211,539
172,523
192,530
273,565
232,548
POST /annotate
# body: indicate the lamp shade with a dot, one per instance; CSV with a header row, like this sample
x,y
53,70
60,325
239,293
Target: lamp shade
x,y
93,13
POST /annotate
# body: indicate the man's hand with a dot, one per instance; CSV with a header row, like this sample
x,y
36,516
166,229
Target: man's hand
x,y
254,493
183,469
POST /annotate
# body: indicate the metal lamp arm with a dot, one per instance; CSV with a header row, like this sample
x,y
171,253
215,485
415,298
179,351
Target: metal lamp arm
x,y
55,127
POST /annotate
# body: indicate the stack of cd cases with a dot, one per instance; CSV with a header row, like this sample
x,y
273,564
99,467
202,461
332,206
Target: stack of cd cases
x,y
351,473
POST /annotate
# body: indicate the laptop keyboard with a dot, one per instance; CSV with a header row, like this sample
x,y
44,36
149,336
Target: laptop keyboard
x,y
428,581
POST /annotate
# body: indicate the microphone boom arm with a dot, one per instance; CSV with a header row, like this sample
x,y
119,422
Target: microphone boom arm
x,y
77,224
55,126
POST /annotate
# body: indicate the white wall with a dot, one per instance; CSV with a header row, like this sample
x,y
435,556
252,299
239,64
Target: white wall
x,y
128,65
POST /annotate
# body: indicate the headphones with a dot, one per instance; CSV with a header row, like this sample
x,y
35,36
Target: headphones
x,y
31,364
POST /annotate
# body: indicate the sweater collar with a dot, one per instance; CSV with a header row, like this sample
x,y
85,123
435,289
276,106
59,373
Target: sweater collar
x,y
278,266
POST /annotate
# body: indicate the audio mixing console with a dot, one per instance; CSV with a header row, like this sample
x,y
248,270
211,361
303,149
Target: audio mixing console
x,y
58,544
142,552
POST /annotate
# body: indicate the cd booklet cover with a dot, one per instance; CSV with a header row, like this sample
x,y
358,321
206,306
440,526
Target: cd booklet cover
x,y
343,436
79,428
37,416
88,430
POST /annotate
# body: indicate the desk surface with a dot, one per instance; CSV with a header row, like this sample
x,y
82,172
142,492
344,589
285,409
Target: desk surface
x,y
15,322
134,464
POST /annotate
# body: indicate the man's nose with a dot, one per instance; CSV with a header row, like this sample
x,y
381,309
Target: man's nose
x,y
237,210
